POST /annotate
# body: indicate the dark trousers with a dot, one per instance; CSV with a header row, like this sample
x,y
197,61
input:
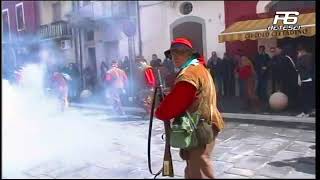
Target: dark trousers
x,y
275,84
229,86
262,88
291,89
219,85
241,87
306,97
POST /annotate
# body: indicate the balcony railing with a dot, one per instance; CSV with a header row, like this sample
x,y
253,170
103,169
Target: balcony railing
x,y
97,10
55,30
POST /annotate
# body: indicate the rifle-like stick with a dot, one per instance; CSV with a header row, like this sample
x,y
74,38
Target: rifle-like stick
x,y
167,169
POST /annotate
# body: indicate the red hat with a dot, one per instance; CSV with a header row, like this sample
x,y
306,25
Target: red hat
x,y
183,41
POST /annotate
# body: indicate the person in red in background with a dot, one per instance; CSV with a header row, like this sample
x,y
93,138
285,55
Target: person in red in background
x,y
117,80
247,73
146,82
60,88
193,91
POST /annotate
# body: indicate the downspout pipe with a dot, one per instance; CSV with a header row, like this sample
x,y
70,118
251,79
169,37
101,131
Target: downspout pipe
x,y
139,28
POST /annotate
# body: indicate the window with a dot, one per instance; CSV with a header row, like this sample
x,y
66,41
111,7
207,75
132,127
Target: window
x,y
186,8
84,3
120,8
20,17
5,24
90,35
56,8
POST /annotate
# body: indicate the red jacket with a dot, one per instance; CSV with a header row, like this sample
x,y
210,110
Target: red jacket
x,y
245,72
60,84
184,93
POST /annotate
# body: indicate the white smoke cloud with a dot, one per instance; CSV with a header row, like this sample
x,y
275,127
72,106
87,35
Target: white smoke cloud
x,y
36,131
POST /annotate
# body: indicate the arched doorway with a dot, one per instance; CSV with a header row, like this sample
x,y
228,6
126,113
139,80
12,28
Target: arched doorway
x,y
193,28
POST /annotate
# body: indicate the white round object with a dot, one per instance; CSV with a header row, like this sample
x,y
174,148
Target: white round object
x,y
278,101
85,94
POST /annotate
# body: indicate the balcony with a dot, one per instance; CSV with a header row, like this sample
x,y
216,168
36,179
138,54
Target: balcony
x,y
55,30
95,11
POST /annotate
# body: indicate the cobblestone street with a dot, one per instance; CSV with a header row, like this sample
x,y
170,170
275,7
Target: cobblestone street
x,y
242,151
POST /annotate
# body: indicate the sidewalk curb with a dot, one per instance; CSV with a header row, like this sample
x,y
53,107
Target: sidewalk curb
x,y
229,116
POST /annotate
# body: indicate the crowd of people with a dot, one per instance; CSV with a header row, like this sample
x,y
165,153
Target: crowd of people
x,y
290,71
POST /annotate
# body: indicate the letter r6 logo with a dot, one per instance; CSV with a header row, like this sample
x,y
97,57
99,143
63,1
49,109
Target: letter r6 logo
x,y
286,17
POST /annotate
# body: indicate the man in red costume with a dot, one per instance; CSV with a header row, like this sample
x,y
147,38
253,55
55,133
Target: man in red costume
x,y
60,88
146,82
193,91
117,79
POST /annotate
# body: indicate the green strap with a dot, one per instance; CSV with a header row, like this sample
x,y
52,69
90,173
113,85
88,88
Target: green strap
x,y
193,123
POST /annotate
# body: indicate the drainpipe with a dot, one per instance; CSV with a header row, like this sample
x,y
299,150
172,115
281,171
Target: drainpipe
x,y
139,28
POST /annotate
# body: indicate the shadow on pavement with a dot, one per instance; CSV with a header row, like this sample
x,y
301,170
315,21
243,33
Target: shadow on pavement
x,y
301,164
313,147
293,125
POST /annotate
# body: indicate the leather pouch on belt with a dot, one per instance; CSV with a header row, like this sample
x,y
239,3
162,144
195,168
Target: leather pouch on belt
x,y
204,132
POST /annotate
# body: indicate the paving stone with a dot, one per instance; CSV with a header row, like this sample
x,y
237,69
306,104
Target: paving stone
x,y
68,169
231,125
294,133
308,159
231,176
254,140
244,149
228,133
219,150
20,175
286,155
241,172
307,137
274,171
220,167
42,176
175,155
305,168
87,172
265,129
231,142
235,155
264,152
275,144
243,135
230,157
178,168
310,153
251,162
260,177
44,168
299,175
139,173
299,146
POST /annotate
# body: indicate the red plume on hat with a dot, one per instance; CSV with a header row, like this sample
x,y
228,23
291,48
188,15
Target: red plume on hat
x,y
201,60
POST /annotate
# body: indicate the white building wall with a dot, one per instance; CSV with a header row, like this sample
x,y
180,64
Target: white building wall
x,y
156,21
123,47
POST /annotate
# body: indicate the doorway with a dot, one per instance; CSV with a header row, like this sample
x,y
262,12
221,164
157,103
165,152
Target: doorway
x,y
192,31
193,28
